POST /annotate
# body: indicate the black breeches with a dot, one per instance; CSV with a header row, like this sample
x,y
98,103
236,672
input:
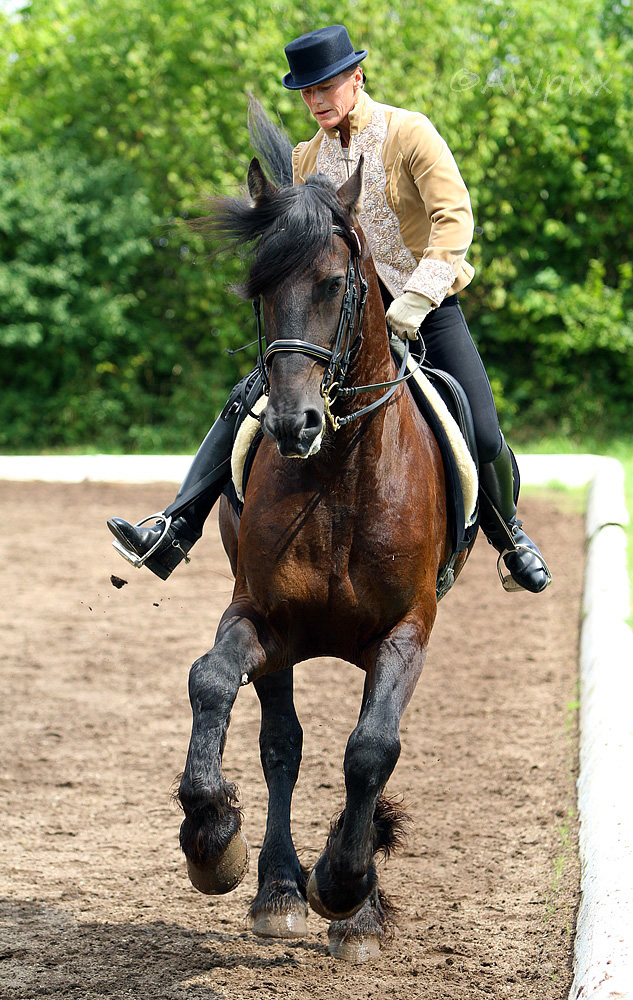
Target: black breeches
x,y
450,347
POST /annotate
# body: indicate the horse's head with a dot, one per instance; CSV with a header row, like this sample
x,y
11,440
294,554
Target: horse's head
x,y
302,273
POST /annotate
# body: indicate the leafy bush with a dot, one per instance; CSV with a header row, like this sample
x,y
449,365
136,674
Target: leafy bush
x,y
72,239
115,119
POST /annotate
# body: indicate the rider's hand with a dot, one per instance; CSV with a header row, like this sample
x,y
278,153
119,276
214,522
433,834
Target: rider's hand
x,y
405,314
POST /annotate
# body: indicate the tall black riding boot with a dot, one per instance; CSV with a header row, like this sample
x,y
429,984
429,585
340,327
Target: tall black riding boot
x,y
164,544
498,494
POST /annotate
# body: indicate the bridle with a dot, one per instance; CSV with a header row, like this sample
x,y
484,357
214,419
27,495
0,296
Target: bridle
x,y
347,340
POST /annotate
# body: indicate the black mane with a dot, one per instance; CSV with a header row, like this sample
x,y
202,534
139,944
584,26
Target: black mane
x,y
289,226
292,227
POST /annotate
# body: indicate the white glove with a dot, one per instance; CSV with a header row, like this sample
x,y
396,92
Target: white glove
x,y
405,314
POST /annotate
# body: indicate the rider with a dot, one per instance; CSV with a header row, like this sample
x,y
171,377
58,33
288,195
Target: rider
x,y
418,221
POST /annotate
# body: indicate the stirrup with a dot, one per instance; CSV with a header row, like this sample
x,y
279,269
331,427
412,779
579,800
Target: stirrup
x,y
133,557
508,582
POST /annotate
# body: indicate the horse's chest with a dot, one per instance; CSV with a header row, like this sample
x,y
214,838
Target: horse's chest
x,y
341,566
307,556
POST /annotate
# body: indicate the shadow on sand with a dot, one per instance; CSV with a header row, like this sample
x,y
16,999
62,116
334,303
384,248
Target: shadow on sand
x,y
46,951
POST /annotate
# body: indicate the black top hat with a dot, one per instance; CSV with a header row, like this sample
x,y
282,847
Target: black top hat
x,y
319,55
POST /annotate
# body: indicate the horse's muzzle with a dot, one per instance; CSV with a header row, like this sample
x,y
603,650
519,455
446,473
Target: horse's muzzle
x,y
297,435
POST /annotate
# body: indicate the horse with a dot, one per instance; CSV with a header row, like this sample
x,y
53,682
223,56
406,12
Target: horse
x,y
335,553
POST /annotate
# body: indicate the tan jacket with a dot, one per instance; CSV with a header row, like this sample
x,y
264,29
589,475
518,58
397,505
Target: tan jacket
x,y
416,209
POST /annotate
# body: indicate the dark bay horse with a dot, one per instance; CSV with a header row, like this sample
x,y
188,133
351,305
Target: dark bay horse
x,y
336,553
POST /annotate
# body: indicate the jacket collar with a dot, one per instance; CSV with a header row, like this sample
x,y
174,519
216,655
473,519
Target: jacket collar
x,y
359,117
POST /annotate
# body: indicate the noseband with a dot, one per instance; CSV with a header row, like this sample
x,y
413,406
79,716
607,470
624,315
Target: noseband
x,y
337,360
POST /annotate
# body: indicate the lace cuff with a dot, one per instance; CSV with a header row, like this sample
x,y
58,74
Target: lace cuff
x,y
432,278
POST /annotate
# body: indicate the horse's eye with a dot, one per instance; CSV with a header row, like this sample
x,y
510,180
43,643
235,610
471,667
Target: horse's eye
x,y
334,286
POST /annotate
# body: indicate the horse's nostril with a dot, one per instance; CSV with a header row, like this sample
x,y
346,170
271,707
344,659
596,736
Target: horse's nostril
x,y
313,419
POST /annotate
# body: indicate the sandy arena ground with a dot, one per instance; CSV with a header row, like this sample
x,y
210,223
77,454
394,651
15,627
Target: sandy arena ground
x,y
94,897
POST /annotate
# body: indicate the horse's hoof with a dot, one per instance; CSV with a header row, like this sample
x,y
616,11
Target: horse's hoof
x,y
353,949
291,924
319,907
224,873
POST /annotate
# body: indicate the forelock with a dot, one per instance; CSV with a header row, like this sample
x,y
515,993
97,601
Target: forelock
x,y
300,231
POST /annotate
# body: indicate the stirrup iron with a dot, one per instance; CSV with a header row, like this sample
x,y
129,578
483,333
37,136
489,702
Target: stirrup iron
x,y
133,557
508,582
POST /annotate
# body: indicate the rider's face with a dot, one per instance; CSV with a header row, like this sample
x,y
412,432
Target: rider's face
x,y
330,102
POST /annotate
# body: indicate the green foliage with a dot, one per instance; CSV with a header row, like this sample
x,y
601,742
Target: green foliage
x,y
83,358
117,116
72,237
550,169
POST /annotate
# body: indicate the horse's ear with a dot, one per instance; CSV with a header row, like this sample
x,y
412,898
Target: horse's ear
x,y
351,193
259,187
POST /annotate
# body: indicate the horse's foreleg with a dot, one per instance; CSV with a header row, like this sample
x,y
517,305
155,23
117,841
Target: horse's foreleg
x,y
345,875
279,909
210,836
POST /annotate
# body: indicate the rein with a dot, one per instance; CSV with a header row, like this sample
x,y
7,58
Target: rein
x,y
336,360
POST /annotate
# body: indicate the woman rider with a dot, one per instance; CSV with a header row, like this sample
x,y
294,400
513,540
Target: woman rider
x,y
418,221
